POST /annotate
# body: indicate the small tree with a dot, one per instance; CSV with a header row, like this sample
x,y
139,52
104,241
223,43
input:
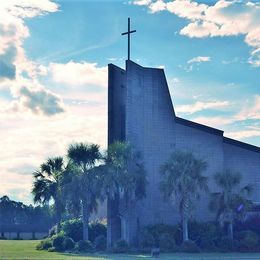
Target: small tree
x,y
83,183
231,202
124,172
123,178
182,181
47,185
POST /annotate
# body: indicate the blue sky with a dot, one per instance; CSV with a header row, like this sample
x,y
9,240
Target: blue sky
x,y
53,71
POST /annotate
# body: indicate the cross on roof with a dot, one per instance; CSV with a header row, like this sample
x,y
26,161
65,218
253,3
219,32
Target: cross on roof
x,y
128,36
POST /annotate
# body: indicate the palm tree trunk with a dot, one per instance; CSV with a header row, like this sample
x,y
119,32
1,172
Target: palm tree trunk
x,y
185,231
113,221
85,220
58,221
230,231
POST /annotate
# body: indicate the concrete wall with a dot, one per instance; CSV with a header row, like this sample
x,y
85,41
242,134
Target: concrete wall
x,y
116,101
150,128
207,147
247,163
116,132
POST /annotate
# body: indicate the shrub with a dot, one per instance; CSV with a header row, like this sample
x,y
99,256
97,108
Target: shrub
x,y
166,242
85,246
251,223
226,244
150,236
73,228
159,229
57,241
205,234
44,244
207,244
189,247
51,249
96,229
100,243
120,246
146,239
68,243
53,231
248,240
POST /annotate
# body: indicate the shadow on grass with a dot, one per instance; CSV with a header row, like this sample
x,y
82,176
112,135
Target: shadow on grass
x,y
107,256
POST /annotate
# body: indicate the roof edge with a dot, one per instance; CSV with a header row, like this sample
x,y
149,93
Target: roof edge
x,y
201,127
241,144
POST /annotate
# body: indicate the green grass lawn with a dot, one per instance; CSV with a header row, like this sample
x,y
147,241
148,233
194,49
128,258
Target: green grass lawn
x,y
25,249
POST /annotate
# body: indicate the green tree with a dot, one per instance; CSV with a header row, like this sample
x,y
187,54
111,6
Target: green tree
x,y
231,202
124,178
47,185
182,181
84,185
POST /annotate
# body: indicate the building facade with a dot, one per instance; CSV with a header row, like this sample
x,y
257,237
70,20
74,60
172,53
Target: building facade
x,y
141,112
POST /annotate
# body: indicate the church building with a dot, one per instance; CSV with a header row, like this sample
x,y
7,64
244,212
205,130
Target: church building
x,y
140,111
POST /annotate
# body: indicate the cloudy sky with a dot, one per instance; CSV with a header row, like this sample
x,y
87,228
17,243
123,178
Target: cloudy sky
x,y
53,71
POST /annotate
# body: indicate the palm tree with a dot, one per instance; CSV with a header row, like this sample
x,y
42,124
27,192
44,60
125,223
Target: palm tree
x,y
84,185
182,181
124,178
231,202
47,185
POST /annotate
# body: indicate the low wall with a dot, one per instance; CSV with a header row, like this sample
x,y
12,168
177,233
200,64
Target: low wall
x,y
24,235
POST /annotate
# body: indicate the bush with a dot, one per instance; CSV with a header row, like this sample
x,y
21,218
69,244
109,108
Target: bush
x,y
85,246
53,231
73,228
51,249
100,243
166,242
147,239
226,244
68,243
248,240
189,247
96,229
205,234
251,223
207,244
120,246
150,236
57,241
44,244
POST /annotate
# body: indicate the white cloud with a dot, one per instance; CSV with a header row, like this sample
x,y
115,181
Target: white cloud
x,y
199,59
250,111
161,67
215,121
40,101
79,73
157,6
224,18
28,140
28,8
199,106
142,2
186,9
14,63
243,134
